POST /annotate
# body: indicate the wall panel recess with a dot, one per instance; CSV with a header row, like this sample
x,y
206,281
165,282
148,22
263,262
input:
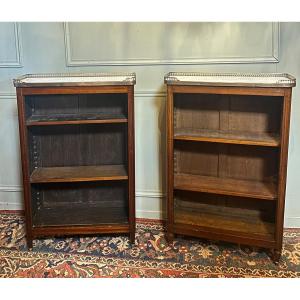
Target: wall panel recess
x,y
93,44
10,50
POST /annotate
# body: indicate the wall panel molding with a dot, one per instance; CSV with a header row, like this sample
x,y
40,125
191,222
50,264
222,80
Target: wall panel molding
x,y
8,95
18,47
150,93
11,188
272,58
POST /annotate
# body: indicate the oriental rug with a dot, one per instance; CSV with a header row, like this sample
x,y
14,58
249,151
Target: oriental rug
x,y
151,256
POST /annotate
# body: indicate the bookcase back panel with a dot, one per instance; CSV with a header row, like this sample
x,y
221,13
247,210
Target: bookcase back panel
x,y
196,111
255,113
194,201
246,162
196,158
227,112
64,203
78,145
228,161
47,105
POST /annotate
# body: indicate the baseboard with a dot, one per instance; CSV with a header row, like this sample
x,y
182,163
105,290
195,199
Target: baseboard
x,y
11,205
11,197
292,222
151,214
150,205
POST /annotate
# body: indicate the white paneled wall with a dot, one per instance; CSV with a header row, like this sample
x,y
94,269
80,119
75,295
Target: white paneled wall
x,y
151,50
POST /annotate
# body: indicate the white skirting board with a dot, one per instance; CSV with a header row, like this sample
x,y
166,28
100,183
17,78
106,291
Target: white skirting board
x,y
149,204
11,198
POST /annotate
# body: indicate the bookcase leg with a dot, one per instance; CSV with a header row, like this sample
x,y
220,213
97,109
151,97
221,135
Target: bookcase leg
x,y
275,256
29,243
170,237
132,237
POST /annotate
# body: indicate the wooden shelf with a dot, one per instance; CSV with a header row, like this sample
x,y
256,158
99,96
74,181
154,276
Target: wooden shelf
x,y
226,186
80,215
79,174
227,220
227,137
69,119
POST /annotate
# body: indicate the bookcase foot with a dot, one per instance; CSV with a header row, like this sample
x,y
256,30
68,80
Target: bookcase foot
x,y
170,237
29,243
275,256
132,237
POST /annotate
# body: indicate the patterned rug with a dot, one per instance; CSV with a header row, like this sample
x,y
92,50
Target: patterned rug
x,y
151,256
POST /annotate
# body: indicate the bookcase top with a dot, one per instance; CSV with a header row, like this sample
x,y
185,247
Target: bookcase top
x,y
74,79
231,79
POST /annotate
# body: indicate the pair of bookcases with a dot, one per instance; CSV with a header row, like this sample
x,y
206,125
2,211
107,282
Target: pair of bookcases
x,y
227,143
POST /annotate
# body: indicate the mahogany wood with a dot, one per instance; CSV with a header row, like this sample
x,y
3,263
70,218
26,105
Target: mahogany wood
x,y
131,163
227,137
224,235
229,90
74,90
77,150
226,186
42,120
81,173
25,166
75,230
170,165
283,158
227,142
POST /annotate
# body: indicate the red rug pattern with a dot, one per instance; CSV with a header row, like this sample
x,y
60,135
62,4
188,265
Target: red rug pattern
x,y
151,256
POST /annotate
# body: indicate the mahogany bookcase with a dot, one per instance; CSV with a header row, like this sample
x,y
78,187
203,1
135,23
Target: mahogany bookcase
x,y
77,151
227,147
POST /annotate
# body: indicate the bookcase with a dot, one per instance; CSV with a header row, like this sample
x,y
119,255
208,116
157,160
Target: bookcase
x,y
227,147
77,151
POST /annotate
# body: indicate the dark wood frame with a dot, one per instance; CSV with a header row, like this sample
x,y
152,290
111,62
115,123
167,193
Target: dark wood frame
x,y
226,235
36,232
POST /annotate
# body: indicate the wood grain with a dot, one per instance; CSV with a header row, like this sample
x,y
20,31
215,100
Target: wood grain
x,y
74,90
75,145
228,90
45,120
131,163
82,215
25,153
170,164
232,219
81,164
228,142
65,230
79,174
226,186
220,234
285,129
227,137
